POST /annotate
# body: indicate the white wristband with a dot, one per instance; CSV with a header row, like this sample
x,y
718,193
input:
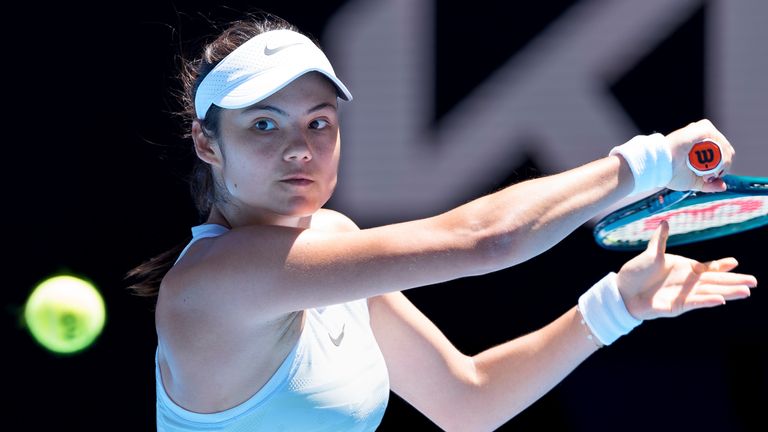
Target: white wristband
x,y
604,311
650,160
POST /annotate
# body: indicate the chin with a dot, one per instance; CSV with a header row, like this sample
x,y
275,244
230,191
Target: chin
x,y
302,209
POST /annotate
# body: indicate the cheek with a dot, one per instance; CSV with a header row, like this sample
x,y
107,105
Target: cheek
x,y
334,171
331,160
243,172
232,179
331,148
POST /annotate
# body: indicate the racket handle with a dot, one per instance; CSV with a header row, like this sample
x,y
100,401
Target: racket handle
x,y
705,158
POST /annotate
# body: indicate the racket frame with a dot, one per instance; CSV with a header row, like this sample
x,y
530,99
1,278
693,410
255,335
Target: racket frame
x,y
669,200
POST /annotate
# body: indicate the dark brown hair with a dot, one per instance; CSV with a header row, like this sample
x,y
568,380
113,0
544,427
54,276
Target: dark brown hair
x,y
146,277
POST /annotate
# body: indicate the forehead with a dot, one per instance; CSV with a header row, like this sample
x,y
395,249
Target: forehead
x,y
311,87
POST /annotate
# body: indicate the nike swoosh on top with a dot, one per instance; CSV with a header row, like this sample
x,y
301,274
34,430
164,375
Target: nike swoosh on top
x,y
270,51
337,340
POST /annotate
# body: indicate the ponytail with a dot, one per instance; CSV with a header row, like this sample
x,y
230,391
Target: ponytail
x,y
148,275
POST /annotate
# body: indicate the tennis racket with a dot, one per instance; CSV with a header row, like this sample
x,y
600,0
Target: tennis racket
x,y
692,216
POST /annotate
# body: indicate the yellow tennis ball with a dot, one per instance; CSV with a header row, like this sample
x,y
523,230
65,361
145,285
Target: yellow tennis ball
x,y
65,314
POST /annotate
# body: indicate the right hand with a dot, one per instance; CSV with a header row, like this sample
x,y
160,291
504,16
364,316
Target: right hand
x,y
656,284
680,143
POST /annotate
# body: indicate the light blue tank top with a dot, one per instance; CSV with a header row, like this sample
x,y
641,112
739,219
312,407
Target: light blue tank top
x,y
334,379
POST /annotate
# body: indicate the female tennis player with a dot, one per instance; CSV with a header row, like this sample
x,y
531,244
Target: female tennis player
x,y
282,315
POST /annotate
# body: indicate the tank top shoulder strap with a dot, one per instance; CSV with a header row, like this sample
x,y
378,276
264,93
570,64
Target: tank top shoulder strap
x,y
201,232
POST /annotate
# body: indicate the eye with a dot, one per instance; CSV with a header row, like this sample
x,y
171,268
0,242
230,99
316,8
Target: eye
x,y
264,125
318,124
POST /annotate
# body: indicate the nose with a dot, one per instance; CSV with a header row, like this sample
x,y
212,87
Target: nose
x,y
298,149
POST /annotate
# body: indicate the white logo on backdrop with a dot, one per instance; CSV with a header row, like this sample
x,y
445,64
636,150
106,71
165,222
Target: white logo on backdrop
x,y
396,165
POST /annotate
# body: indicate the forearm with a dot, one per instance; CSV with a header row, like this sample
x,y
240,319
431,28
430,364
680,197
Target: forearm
x,y
527,218
512,376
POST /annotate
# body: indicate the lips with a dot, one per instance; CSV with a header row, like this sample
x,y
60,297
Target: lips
x,y
297,180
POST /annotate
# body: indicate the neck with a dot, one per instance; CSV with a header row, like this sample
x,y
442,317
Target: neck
x,y
234,219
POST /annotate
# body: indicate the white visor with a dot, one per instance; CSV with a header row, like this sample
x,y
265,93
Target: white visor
x,y
260,67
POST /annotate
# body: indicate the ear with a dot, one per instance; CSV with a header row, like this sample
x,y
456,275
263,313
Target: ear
x,y
207,148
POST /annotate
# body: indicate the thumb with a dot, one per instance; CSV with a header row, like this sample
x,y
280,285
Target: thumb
x,y
657,245
713,184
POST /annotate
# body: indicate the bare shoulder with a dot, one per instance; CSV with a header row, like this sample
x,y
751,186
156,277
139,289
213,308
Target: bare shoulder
x,y
212,335
237,270
332,221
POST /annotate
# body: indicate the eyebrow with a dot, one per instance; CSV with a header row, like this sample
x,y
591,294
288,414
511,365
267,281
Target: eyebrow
x,y
277,110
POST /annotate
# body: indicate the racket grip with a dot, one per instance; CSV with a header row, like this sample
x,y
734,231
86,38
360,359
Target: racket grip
x,y
705,158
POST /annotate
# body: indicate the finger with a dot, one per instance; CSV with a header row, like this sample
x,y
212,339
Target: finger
x,y
722,264
708,184
727,278
704,129
702,301
728,292
699,268
658,242
711,184
727,150
727,153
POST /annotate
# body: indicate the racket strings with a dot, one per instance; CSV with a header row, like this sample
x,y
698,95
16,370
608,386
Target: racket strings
x,y
691,219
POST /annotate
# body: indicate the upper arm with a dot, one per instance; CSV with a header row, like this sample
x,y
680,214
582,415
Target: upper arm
x,y
425,369
266,271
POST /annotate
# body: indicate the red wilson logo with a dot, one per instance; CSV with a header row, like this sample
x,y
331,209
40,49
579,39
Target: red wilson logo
x,y
704,214
704,155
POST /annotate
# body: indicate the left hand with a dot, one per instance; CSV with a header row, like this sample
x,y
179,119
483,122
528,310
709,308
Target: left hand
x,y
656,284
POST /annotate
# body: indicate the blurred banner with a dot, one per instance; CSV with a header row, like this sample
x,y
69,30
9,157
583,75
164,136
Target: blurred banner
x,y
550,101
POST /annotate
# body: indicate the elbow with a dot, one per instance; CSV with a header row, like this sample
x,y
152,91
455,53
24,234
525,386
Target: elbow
x,y
461,420
486,240
466,411
464,418
497,249
462,425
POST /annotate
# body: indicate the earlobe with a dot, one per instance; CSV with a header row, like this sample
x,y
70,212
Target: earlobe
x,y
205,147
